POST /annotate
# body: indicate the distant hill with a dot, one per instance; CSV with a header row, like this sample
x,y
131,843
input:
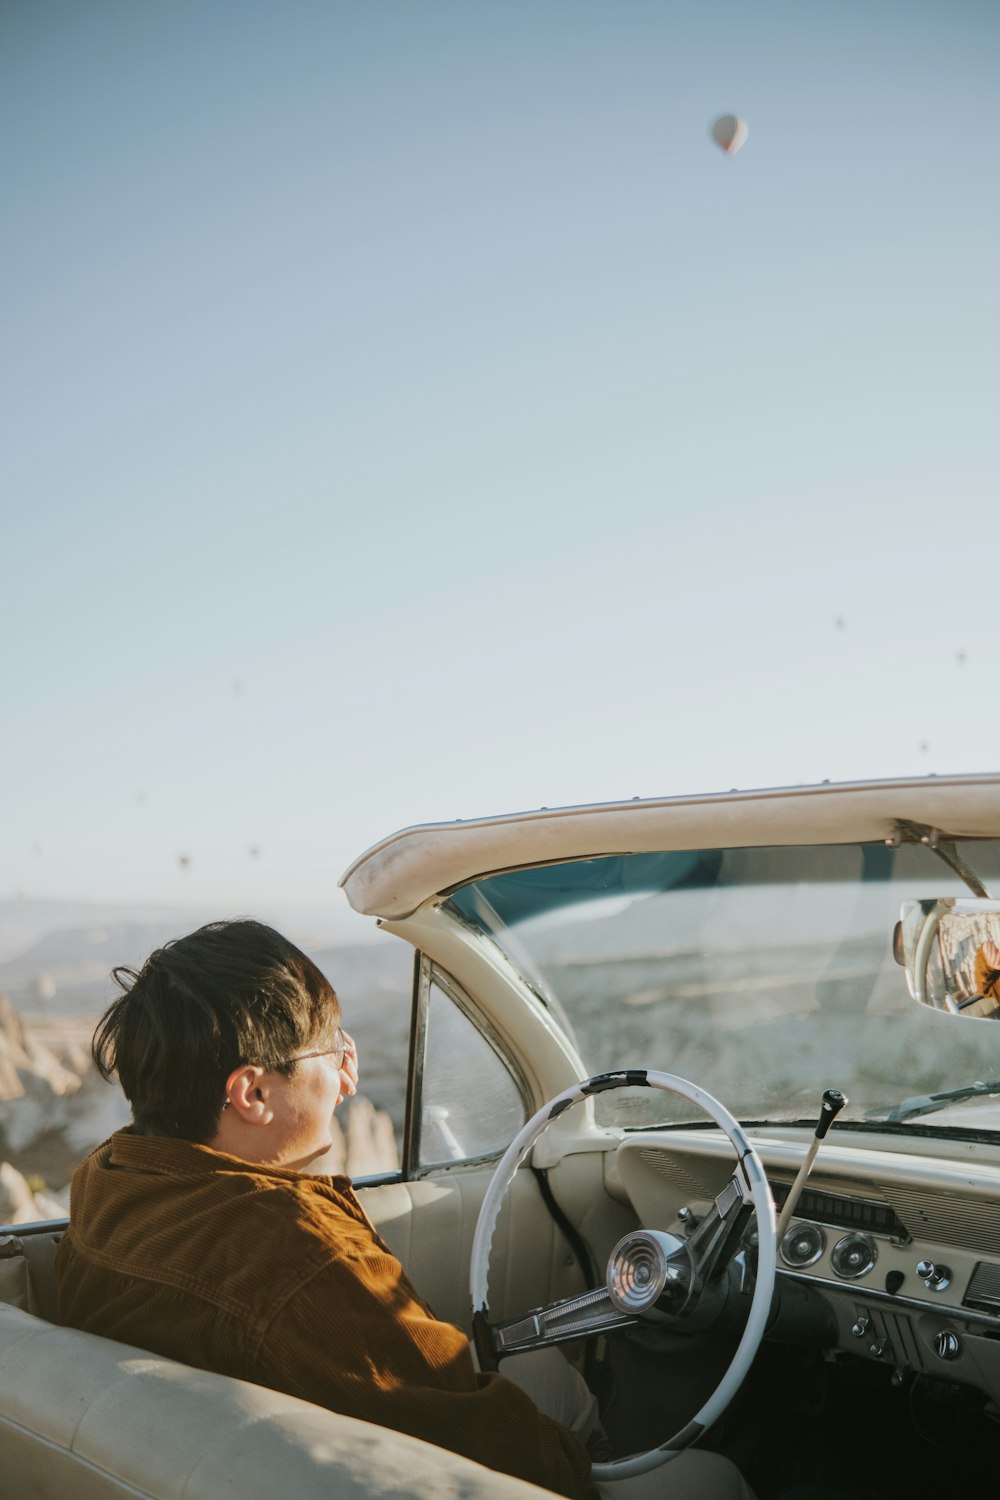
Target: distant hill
x,y
60,977
54,1107
24,922
374,983
65,971
312,924
56,956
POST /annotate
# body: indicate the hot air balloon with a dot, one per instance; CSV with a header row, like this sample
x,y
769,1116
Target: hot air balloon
x,y
729,133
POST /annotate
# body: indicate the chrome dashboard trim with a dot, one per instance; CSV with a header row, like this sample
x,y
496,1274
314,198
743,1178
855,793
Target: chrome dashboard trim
x,y
869,1293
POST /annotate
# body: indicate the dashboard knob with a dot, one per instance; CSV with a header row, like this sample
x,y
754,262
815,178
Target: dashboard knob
x,y
947,1344
935,1278
880,1347
862,1326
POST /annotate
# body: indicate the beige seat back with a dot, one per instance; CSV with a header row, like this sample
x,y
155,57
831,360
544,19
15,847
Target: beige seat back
x,y
84,1416
27,1270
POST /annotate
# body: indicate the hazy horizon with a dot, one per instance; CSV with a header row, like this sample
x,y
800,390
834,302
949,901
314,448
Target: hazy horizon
x,y
311,925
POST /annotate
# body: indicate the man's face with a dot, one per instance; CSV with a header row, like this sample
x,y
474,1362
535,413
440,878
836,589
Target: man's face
x,y
303,1104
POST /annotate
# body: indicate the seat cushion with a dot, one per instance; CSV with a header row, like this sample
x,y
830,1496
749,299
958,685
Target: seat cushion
x,y
84,1416
15,1287
27,1270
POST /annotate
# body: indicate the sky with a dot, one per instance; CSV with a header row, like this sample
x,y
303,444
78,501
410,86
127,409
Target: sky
x,y
408,413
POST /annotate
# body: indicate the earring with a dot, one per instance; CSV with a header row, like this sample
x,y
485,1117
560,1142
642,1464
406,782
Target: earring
x,y
226,1103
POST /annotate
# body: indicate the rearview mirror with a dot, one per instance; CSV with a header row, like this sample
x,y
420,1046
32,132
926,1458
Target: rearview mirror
x,y
951,950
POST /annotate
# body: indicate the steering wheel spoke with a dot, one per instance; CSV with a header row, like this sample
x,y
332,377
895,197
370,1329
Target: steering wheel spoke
x,y
582,1316
716,1239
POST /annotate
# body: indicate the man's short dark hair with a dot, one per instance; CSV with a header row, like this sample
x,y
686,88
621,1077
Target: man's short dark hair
x,y
231,993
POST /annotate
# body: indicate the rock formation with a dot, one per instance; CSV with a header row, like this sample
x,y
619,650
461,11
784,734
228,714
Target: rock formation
x,y
55,1107
19,1204
364,1142
35,1087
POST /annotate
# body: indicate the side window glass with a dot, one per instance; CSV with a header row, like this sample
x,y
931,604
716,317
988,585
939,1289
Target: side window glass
x,y
470,1102
375,984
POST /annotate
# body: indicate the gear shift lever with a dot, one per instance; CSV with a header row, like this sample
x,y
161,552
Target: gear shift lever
x,y
832,1103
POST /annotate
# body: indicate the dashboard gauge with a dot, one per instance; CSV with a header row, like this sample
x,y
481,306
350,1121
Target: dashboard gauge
x,y
802,1244
853,1256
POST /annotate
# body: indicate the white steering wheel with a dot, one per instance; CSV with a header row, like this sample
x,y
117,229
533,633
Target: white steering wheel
x,y
651,1276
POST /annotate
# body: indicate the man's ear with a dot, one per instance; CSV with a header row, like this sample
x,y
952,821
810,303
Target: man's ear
x,y
246,1096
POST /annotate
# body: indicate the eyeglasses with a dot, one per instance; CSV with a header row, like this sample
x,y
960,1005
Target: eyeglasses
x,y
337,1053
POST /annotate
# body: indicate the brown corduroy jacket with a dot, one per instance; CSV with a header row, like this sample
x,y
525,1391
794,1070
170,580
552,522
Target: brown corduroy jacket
x,y
279,1278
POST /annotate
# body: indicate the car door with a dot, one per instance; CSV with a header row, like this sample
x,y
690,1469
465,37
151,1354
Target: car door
x,y
465,1101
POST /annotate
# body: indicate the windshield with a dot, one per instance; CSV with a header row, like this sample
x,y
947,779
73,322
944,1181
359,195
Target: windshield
x,y
764,975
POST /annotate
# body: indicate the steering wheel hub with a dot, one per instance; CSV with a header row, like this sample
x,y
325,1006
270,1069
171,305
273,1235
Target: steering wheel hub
x,y
649,1272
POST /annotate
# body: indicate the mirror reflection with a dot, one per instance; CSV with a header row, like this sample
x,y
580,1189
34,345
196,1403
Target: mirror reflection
x,y
951,951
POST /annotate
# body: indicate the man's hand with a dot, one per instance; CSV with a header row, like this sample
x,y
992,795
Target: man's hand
x,y
348,1069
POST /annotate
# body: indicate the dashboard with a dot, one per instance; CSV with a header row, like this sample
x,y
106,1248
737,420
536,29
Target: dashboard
x,y
901,1246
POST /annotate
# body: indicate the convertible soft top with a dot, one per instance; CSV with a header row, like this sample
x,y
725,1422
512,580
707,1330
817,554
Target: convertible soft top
x,y
398,874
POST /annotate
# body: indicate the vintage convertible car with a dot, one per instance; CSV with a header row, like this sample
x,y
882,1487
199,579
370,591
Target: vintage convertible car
x,y
740,1049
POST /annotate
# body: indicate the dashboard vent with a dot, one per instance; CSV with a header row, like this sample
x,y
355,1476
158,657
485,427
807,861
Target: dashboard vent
x,y
707,1186
984,1289
948,1218
844,1213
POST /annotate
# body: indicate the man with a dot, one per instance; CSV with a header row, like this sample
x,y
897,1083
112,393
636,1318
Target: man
x,y
987,969
197,1234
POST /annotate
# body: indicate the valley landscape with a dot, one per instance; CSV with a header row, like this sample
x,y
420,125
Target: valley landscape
x,y
55,963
